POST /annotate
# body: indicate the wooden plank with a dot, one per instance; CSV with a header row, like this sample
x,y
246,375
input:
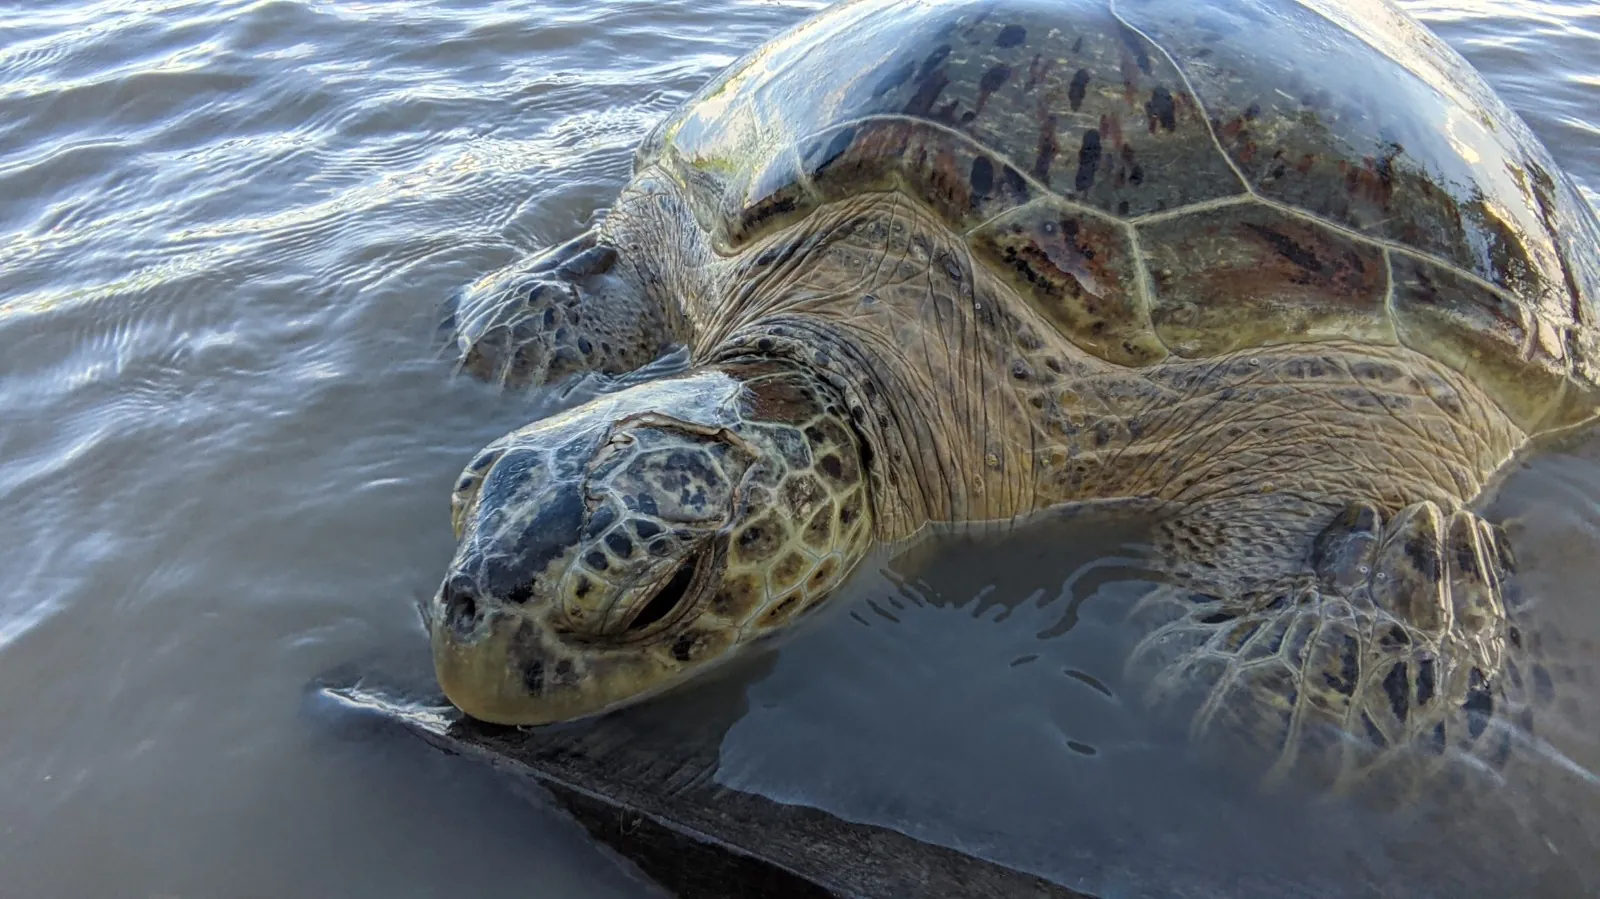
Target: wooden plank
x,y
646,791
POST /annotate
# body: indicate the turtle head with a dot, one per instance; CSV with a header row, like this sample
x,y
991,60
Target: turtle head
x,y
619,549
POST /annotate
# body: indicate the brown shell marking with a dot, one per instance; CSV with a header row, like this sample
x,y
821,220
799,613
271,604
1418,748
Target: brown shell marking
x,y
1248,275
1081,272
1092,110
1372,124
954,175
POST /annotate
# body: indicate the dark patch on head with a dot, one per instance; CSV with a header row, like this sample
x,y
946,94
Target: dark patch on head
x,y
933,60
551,532
1088,161
533,676
643,503
1011,36
832,466
758,541
682,647
821,576
620,545
460,602
602,519
1161,109
596,560
644,530
850,509
1078,89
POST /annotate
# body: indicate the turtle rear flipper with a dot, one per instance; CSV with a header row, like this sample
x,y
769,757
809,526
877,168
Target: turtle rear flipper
x,y
574,308
1388,645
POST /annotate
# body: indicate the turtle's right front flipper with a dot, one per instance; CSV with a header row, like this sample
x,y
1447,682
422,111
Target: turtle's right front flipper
x,y
575,308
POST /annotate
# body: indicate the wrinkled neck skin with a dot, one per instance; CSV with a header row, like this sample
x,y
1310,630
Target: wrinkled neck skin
x,y
889,309
875,297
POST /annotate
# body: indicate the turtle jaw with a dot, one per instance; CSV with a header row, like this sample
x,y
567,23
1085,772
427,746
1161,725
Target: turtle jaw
x,y
518,673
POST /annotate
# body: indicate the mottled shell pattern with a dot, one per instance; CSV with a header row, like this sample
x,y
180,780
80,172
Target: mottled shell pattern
x,y
1179,177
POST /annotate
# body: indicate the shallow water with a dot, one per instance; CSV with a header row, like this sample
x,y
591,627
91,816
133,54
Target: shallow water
x,y
228,444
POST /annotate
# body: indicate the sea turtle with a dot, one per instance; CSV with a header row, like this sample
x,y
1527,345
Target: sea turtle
x,y
1286,267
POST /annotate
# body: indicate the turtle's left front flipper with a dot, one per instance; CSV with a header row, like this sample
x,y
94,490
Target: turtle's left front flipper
x,y
575,308
1384,646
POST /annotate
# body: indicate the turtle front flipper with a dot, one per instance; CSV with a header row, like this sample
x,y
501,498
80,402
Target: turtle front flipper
x,y
1380,657
575,308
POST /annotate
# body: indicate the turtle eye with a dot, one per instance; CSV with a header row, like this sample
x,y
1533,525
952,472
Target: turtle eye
x,y
669,597
466,488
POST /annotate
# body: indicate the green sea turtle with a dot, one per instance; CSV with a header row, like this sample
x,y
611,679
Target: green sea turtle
x,y
1286,267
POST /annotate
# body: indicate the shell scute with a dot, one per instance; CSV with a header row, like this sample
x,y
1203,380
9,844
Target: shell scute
x,y
1248,275
1518,356
961,180
1080,271
1362,117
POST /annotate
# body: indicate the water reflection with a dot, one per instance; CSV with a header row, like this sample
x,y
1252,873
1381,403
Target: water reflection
x,y
979,704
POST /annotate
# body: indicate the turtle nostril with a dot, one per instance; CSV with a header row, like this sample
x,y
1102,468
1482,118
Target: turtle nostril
x,y
461,612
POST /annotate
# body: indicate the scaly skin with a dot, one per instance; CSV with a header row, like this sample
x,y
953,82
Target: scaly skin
x,y
607,554
1324,573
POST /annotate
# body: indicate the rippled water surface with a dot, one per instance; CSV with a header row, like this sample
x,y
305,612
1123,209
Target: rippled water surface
x,y
226,444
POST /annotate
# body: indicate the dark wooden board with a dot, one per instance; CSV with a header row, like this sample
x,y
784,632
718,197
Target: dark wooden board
x,y
646,791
